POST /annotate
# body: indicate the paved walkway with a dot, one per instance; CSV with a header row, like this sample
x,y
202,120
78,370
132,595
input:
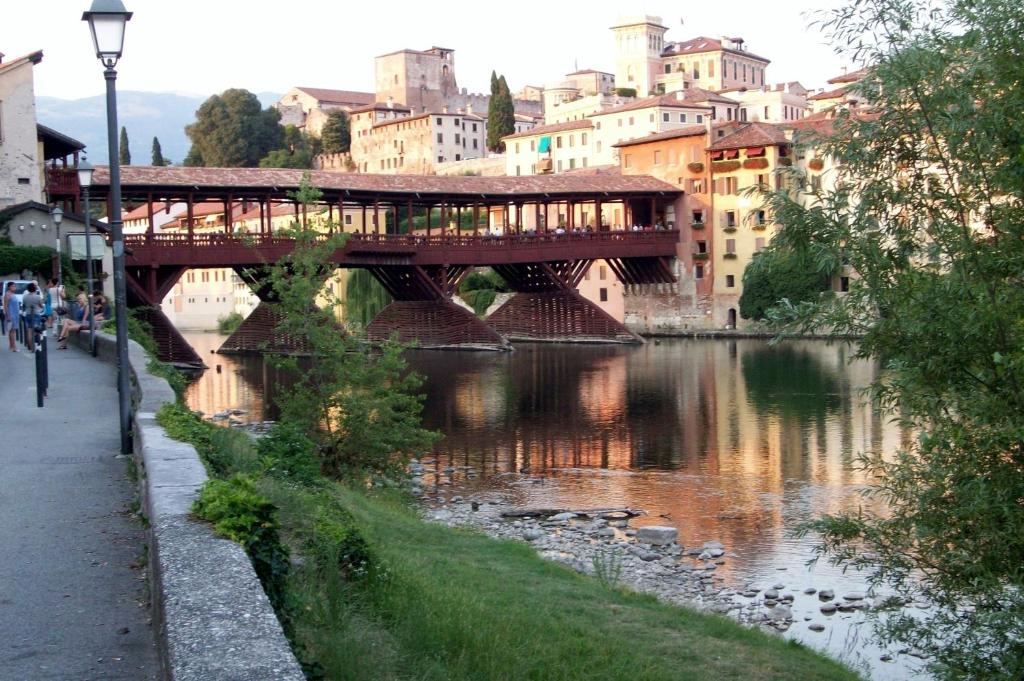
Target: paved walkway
x,y
72,586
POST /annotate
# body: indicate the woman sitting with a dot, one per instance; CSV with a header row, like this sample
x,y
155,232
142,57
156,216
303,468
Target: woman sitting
x,y
79,320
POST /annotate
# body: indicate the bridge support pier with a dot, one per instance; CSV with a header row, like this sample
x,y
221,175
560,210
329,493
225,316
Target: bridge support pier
x,y
147,287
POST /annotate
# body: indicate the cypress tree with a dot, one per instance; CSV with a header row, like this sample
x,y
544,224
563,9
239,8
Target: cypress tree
x,y
158,155
125,154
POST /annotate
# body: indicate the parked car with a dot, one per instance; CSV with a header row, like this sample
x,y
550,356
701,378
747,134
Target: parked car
x,y
19,287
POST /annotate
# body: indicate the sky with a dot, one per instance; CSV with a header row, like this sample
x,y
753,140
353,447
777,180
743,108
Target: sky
x,y
207,46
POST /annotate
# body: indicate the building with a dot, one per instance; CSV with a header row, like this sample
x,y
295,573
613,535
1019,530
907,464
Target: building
x,y
590,141
307,108
393,143
712,64
778,103
844,94
639,43
591,82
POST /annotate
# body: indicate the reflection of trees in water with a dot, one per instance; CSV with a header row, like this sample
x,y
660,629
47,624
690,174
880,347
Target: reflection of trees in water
x,y
792,381
364,298
265,378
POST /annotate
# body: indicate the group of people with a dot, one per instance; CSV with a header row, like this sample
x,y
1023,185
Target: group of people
x,y
49,307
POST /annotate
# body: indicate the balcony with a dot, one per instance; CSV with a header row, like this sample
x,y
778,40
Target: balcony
x,y
700,256
697,225
61,182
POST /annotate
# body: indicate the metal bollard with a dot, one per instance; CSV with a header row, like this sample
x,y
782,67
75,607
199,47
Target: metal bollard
x,y
40,372
46,363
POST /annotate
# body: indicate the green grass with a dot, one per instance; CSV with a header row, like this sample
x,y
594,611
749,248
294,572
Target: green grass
x,y
440,604
455,604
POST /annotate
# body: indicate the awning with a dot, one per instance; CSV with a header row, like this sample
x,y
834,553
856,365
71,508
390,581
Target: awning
x,y
755,151
545,145
732,153
76,244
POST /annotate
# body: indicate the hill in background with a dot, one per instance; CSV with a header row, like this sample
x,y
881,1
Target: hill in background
x,y
144,114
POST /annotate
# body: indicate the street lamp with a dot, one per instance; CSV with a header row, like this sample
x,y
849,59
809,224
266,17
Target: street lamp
x,y
107,19
58,215
85,181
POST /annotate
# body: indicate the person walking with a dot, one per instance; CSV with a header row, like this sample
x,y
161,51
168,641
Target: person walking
x,y
32,305
12,310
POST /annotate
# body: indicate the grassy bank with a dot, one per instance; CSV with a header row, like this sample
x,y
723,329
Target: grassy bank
x,y
376,593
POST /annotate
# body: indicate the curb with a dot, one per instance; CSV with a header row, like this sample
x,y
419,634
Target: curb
x,y
214,621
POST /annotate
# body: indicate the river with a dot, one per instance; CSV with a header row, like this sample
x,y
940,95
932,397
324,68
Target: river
x,y
730,440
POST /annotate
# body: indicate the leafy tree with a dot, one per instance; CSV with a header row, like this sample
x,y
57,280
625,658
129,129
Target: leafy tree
x,y
777,274
359,407
501,115
158,154
335,136
124,153
298,151
928,208
231,130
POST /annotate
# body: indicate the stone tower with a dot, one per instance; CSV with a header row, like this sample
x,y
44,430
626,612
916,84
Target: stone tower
x,y
639,42
419,79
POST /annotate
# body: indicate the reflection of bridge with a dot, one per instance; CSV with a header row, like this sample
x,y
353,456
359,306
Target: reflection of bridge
x,y
422,267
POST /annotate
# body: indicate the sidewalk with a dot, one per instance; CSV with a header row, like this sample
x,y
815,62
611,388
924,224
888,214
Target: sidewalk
x,y
72,582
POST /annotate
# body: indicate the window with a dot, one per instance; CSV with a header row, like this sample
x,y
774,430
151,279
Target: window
x,y
598,147
572,140
559,165
396,79
440,159
631,120
651,118
657,157
597,125
682,118
584,161
668,68
698,271
517,171
602,272
696,71
730,281
702,246
759,244
475,144
730,246
628,160
743,115
439,121
603,295
728,114
700,118
517,146
348,219
664,117
730,218
844,284
558,141
695,186
572,163
620,122
711,68
458,157
744,73
440,137
759,217
583,138
734,70
458,138
816,182
766,113
456,122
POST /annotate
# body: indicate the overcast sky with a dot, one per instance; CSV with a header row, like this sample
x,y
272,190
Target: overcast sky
x,y
207,46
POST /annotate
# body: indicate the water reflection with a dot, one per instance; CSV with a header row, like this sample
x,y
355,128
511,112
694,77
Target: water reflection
x,y
735,441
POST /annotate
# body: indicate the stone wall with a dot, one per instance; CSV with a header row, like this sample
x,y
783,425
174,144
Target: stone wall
x,y
212,617
21,177
492,166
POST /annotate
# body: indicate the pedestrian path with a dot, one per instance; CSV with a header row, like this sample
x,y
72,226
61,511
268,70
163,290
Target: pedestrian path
x,y
72,575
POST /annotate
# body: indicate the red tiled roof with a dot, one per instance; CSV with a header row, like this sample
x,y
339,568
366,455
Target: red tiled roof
x,y
554,127
851,77
583,71
752,135
261,180
829,94
688,131
704,44
400,119
34,57
670,100
338,96
276,209
379,106
608,169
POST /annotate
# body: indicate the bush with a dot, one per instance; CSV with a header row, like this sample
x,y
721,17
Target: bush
x,y
240,513
725,166
625,91
775,274
287,452
229,323
486,279
337,544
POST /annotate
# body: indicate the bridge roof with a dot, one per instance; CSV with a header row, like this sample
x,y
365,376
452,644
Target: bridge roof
x,y
136,181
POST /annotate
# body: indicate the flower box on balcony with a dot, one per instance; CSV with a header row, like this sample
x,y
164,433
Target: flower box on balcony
x,y
700,256
695,167
729,256
816,164
755,163
760,225
785,161
697,225
725,166
729,229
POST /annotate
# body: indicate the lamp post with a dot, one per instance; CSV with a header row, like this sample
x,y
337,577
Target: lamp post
x,y
85,181
107,19
58,215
